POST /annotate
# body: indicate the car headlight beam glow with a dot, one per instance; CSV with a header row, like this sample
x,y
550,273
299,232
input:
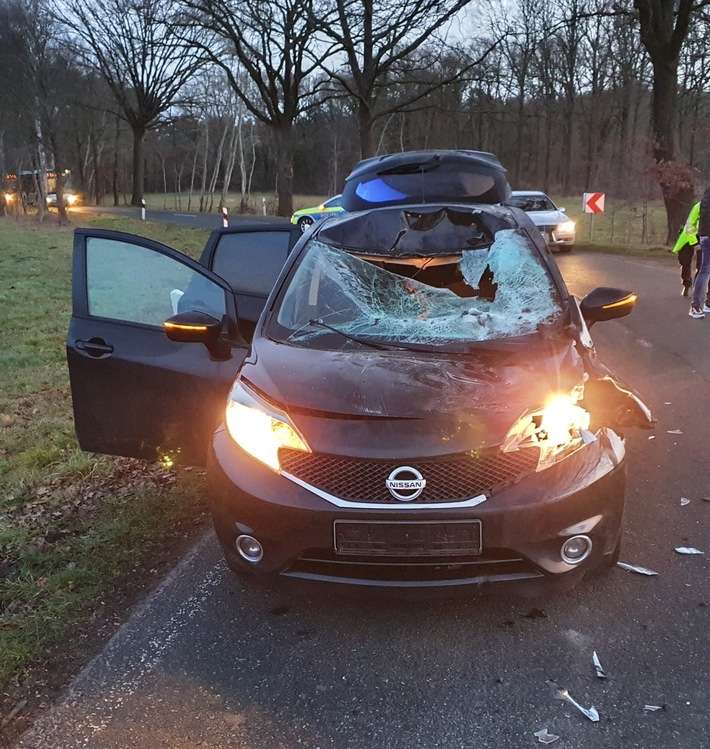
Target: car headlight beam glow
x,y
259,429
558,429
566,227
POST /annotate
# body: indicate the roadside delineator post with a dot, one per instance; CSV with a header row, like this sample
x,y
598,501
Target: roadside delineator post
x,y
225,217
263,206
592,202
143,209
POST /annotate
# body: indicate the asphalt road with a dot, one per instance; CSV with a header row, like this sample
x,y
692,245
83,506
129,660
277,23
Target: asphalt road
x,y
211,661
186,218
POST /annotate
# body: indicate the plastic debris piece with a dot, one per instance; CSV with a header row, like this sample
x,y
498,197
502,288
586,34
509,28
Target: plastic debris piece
x,y
535,613
564,695
635,568
652,708
688,550
652,437
684,501
598,665
706,499
674,431
668,403
545,737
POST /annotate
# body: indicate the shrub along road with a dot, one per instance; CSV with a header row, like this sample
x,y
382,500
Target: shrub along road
x,y
211,661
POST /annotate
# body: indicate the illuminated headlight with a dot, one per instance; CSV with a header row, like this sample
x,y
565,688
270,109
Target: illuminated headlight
x,y
258,428
558,429
9,198
566,227
70,198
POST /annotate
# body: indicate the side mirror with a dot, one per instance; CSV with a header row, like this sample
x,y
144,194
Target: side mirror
x,y
193,326
605,303
561,209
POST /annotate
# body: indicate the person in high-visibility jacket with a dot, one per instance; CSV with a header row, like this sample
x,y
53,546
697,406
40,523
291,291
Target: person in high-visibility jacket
x,y
700,305
688,246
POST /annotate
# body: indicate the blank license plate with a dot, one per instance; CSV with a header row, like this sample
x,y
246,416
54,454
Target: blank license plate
x,y
418,539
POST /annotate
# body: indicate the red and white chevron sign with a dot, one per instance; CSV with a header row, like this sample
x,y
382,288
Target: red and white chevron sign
x,y
593,202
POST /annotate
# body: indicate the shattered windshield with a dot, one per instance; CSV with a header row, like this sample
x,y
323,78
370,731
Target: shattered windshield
x,y
495,292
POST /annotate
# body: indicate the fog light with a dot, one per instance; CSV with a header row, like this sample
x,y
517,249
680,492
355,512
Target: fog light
x,y
576,549
249,548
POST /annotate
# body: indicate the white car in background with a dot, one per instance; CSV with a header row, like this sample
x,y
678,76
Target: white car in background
x,y
557,228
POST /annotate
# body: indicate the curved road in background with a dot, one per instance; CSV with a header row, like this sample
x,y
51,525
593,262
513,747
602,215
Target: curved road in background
x,y
213,662
185,218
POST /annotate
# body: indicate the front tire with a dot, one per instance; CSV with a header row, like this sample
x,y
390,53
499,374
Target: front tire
x,y
304,222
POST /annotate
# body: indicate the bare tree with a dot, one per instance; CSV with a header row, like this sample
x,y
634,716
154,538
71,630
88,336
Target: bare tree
x,y
377,40
664,27
273,42
136,48
48,96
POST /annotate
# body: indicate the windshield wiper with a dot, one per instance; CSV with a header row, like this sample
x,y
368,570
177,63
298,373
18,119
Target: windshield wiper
x,y
320,324
363,341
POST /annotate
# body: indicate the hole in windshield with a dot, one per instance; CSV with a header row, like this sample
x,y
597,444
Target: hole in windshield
x,y
335,298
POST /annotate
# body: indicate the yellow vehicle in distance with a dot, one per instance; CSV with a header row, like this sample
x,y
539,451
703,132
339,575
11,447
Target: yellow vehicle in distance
x,y
308,216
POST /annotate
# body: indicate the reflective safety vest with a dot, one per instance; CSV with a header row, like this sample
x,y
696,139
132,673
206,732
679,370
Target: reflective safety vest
x,y
689,234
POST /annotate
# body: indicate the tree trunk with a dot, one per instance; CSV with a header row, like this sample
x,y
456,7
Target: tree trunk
x,y
674,177
230,162
364,124
41,179
138,164
284,168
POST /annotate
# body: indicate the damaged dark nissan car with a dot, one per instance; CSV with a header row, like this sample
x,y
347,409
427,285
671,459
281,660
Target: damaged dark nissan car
x,y
408,398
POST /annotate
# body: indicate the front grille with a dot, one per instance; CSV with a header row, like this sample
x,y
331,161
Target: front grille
x,y
452,478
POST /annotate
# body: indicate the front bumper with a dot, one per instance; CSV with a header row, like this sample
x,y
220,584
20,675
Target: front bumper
x,y
522,527
555,238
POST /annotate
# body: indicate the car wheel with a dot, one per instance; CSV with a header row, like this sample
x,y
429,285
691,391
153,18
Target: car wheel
x,y
304,222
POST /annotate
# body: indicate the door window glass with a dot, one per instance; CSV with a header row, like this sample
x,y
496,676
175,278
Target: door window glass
x,y
251,261
136,284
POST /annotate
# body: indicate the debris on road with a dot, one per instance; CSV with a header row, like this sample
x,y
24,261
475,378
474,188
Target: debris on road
x,y
598,666
652,437
535,613
564,696
545,737
688,550
684,501
635,568
652,708
674,431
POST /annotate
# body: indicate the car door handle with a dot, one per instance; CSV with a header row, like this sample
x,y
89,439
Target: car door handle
x,y
95,347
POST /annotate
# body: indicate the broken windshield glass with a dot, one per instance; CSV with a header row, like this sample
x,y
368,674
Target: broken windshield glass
x,y
472,295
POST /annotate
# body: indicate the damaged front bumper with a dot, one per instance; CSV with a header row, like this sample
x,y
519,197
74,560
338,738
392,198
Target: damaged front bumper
x,y
522,529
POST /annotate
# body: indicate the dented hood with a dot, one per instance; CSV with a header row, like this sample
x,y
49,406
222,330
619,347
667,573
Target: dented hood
x,y
483,391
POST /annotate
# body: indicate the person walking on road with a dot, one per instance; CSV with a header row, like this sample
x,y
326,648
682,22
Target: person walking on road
x,y
700,289
686,247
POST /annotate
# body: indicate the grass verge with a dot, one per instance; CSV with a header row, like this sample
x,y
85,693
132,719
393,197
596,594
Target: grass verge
x,y
79,533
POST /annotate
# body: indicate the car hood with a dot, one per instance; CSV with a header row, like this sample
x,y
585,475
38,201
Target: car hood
x,y
547,218
465,401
